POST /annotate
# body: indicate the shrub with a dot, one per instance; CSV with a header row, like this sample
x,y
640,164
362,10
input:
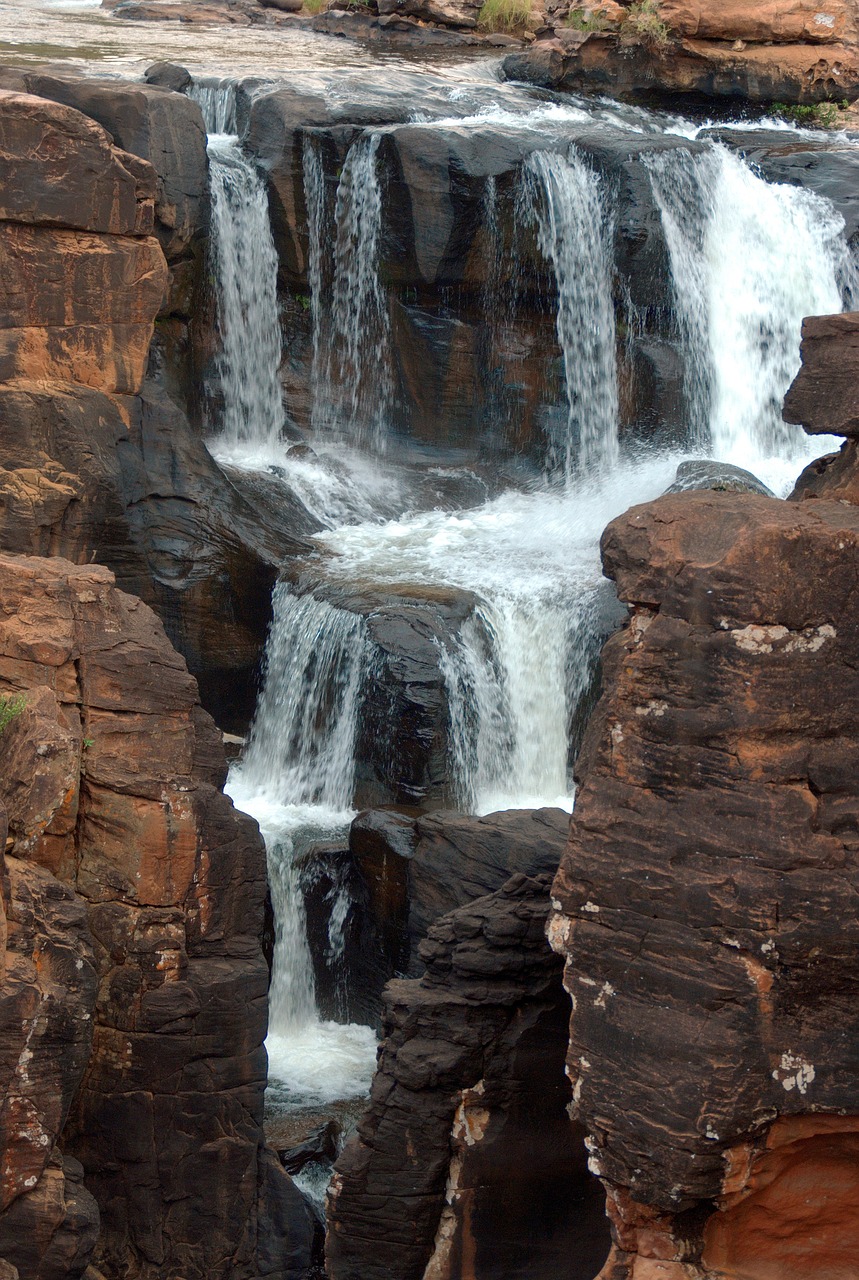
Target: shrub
x,y
10,707
314,6
504,15
643,20
586,20
823,115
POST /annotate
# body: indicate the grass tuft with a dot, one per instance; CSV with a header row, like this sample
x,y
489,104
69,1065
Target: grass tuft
x,y
643,20
822,115
586,20
508,16
10,707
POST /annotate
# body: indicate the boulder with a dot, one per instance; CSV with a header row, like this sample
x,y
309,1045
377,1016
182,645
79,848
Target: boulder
x,y
797,22
169,75
162,127
823,397
721,476
700,900
466,1162
61,170
834,476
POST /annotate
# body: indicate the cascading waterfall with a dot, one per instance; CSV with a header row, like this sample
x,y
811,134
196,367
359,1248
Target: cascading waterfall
x,y
296,777
218,103
749,259
566,199
353,385
245,269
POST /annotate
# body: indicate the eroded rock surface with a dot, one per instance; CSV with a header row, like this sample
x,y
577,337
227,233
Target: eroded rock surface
x,y
149,951
701,903
466,1162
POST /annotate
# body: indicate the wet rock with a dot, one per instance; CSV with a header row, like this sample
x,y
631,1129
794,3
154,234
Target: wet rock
x,y
169,75
822,397
319,1147
466,1158
709,851
169,881
721,476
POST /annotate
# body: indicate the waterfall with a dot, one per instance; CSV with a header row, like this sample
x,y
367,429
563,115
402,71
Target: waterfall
x,y
218,102
245,268
296,778
566,199
749,259
353,385
301,744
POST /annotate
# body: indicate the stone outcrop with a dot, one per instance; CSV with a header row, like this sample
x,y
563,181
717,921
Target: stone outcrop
x,y
701,901
133,911
96,461
823,395
799,52
395,878
466,1162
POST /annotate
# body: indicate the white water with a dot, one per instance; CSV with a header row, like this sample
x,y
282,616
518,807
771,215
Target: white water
x,y
245,267
296,778
217,100
568,201
352,395
749,260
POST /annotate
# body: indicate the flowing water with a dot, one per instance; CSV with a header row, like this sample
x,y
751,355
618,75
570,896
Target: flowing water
x,y
748,260
244,261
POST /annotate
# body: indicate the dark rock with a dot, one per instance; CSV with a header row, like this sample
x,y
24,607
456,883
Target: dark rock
x,y
319,1147
169,75
699,900
287,6
823,396
168,1121
466,1161
721,476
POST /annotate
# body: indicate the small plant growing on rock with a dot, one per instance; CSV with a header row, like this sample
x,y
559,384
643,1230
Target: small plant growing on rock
x,y
586,20
314,6
822,115
508,16
644,21
11,706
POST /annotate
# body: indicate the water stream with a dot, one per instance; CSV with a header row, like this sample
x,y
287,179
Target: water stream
x,y
747,260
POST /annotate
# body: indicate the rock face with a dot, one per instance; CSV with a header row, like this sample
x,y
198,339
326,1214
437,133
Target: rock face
x,y
155,981
774,54
466,1163
823,395
700,903
96,461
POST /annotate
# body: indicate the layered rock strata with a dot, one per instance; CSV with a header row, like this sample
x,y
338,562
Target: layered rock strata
x,y
466,1162
701,904
134,906
96,460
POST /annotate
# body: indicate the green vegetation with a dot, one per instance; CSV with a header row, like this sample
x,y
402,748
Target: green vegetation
x,y
586,20
505,15
303,299
10,707
820,115
644,21
314,6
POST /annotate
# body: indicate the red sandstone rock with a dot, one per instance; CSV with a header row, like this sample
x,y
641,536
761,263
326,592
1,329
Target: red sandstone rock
x,y
797,21
466,1164
122,800
824,396
60,169
702,902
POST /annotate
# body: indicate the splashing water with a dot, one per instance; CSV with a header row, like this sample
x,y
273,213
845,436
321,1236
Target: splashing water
x,y
749,260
